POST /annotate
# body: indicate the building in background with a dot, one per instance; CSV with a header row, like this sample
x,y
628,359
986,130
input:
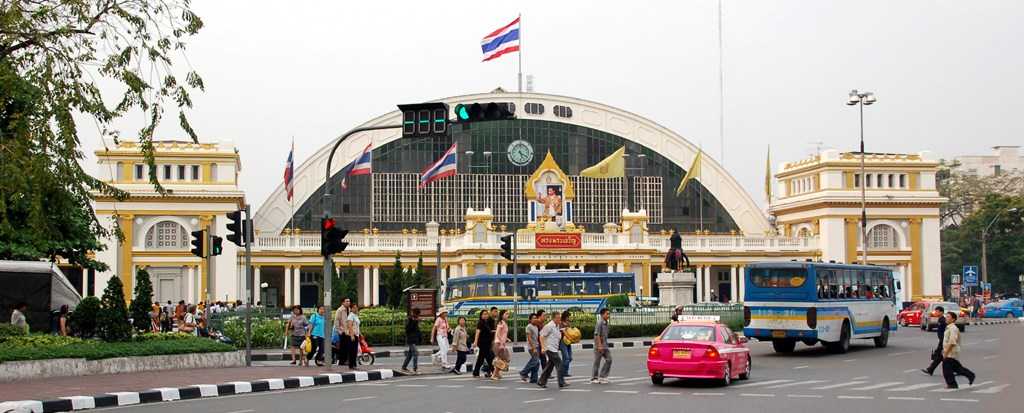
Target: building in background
x,y
821,196
1006,158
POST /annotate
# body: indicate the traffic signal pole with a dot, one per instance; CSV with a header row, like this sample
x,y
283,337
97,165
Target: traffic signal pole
x,y
515,287
328,262
247,236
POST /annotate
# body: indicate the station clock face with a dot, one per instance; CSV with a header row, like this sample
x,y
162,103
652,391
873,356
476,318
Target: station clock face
x,y
520,153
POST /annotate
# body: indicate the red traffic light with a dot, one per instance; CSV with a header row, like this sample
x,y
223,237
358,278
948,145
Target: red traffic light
x,y
327,224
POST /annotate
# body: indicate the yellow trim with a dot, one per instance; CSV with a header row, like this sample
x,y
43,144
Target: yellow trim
x,y
915,181
870,165
127,173
549,164
163,156
125,270
916,263
207,172
851,240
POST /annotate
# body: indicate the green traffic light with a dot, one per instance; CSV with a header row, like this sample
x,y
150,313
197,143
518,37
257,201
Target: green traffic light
x,y
462,112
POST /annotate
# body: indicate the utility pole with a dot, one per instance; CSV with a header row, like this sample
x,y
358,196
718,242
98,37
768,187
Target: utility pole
x,y
247,236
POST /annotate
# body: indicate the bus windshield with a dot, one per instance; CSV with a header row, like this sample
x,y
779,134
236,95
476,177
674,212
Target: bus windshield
x,y
778,277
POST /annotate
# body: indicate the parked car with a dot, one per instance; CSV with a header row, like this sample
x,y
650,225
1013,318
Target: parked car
x,y
929,317
698,350
1010,308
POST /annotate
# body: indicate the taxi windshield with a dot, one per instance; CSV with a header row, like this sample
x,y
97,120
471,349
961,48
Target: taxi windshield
x,y
693,333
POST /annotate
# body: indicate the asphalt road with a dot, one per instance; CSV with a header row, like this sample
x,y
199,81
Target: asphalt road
x,y
865,379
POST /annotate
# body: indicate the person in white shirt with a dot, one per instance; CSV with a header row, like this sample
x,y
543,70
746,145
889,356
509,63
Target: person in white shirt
x,y
550,336
951,366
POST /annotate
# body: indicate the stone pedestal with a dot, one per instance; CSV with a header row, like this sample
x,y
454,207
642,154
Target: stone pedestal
x,y
676,288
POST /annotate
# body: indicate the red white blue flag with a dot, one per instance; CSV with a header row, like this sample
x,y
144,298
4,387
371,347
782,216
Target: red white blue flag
x,y
363,165
443,168
502,41
289,173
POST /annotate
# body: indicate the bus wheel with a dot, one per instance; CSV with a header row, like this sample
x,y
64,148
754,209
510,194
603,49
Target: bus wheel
x,y
843,345
883,339
784,345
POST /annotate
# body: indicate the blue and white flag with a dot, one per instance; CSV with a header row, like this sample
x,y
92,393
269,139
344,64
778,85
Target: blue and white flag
x,y
443,168
502,41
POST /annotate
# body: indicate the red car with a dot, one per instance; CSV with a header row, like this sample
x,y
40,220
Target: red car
x,y
926,314
698,350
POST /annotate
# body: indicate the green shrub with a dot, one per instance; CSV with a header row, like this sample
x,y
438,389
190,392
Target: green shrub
x,y
96,350
41,340
266,332
143,302
8,330
83,319
112,321
621,300
162,336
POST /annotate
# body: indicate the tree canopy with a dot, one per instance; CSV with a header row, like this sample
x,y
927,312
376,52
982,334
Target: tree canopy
x,y
54,54
961,244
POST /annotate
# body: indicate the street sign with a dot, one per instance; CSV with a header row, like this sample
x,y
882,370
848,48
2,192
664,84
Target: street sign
x,y
422,303
971,275
954,279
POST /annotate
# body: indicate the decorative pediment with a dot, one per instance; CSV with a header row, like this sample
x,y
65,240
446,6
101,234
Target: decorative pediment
x,y
549,173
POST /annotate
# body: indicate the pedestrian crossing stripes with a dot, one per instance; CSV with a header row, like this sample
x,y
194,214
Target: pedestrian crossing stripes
x,y
799,383
916,387
878,386
838,385
993,389
761,383
984,383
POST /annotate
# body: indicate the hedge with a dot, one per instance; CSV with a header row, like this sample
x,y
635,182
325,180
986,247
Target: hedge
x,y
43,347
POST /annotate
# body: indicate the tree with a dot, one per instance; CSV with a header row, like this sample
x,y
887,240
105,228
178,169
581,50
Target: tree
x,y
422,278
346,285
961,244
394,281
54,55
83,319
112,322
143,302
966,192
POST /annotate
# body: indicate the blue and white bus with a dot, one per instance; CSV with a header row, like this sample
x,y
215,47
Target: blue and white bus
x,y
582,290
811,302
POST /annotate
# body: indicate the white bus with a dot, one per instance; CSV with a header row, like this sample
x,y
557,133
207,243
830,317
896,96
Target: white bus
x,y
811,302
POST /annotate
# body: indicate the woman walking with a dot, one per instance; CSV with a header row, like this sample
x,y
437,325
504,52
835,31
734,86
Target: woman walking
x,y
297,329
154,318
500,348
62,321
565,348
484,336
316,351
439,334
459,339
353,334
412,338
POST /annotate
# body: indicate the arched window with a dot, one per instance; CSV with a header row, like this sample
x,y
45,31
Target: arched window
x,y
882,236
804,232
167,235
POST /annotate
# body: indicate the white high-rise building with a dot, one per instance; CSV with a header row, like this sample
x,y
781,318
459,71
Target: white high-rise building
x,y
1004,158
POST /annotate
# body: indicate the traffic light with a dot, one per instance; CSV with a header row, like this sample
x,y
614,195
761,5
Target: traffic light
x,y
215,245
506,247
236,228
198,240
424,120
332,238
479,112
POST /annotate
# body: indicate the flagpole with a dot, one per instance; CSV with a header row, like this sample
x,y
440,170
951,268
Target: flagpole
x,y
721,87
700,189
291,200
520,77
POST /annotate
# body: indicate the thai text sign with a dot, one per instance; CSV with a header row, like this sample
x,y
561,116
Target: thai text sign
x,y
556,240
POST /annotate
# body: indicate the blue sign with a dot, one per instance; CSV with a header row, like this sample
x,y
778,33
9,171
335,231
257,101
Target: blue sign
x,y
971,275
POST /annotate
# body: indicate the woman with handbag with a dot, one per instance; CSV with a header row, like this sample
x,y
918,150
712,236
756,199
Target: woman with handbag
x,y
502,355
188,321
297,329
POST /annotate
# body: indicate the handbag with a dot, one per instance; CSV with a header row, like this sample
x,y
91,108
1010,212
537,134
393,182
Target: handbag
x,y
571,335
307,345
500,364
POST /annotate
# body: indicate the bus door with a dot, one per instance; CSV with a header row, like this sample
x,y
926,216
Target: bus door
x,y
529,290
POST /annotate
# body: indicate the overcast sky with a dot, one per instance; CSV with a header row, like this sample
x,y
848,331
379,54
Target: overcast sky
x,y
947,74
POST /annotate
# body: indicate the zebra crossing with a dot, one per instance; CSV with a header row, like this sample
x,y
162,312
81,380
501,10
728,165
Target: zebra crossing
x,y
853,389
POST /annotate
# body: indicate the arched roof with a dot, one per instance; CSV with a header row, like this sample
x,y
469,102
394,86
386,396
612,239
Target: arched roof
x,y
274,214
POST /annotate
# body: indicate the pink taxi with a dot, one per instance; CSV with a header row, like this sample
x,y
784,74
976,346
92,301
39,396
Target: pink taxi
x,y
698,349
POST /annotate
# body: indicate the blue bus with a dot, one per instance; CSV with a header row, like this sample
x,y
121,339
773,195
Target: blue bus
x,y
812,302
582,290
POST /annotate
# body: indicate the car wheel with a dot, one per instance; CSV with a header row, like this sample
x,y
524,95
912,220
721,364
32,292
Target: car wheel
x,y
924,324
657,379
727,376
746,371
783,345
883,338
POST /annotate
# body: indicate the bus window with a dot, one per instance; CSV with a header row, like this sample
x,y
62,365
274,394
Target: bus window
x,y
779,277
550,285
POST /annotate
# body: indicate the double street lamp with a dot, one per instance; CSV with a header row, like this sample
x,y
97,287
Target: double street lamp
x,y
984,238
861,99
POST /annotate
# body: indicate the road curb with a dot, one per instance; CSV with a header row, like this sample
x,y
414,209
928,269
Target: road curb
x,y
199,391
995,321
426,352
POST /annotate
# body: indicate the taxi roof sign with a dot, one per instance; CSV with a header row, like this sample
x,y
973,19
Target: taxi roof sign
x,y
689,317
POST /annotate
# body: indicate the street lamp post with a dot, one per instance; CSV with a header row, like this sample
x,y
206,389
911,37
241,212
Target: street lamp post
x,y
984,239
860,99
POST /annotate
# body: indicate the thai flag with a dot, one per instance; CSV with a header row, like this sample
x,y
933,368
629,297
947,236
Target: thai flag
x,y
289,173
363,165
443,168
501,41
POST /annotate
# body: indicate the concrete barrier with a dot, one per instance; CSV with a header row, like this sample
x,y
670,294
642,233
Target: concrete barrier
x,y
37,369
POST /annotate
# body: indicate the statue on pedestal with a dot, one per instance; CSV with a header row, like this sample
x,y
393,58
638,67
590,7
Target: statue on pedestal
x,y
675,257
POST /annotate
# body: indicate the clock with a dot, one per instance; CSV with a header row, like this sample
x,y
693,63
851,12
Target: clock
x,y
520,153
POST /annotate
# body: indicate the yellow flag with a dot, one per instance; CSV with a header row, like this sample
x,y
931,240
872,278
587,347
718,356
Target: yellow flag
x,y
692,173
614,166
768,176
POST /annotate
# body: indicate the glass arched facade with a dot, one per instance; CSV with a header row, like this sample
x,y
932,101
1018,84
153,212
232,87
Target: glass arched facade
x,y
488,177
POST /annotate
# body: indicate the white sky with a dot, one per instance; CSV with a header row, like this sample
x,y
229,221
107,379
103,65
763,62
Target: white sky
x,y
948,74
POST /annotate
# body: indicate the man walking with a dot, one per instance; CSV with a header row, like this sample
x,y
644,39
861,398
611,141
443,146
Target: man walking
x,y
551,335
951,353
601,349
412,338
341,329
940,329
533,346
